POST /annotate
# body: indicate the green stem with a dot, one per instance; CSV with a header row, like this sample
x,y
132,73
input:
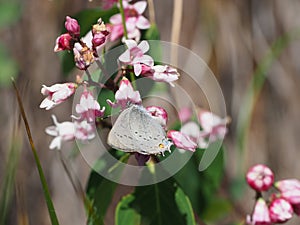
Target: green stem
x,y
51,210
123,19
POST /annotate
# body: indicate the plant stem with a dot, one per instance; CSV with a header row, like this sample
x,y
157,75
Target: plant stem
x,y
51,210
123,19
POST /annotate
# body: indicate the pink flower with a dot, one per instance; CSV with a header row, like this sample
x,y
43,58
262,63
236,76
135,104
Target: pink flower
x,y
260,177
64,131
185,114
89,108
134,56
260,214
158,113
290,190
161,73
72,26
134,21
125,94
57,94
84,131
182,141
192,129
280,210
83,56
63,42
213,126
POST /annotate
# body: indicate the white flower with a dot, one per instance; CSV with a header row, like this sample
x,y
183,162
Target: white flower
x,y
57,94
64,131
125,94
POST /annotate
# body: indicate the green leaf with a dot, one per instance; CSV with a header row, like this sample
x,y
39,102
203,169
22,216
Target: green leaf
x,y
152,33
217,210
8,67
10,11
201,186
99,190
157,204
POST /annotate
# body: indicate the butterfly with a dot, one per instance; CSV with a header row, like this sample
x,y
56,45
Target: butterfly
x,y
135,130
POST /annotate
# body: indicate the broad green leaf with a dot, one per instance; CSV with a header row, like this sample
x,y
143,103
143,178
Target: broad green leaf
x,y
157,204
99,190
201,186
8,67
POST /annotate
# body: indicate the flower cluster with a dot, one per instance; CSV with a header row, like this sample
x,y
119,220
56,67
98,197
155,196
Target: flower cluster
x,y
283,202
85,52
133,63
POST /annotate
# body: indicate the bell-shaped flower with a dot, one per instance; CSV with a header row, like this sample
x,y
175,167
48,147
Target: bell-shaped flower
x,y
161,73
57,94
88,108
125,95
261,215
280,210
134,56
290,190
181,140
158,113
72,26
64,131
260,177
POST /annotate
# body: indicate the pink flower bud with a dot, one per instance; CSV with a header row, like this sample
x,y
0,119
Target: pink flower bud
x,y
125,95
100,33
280,210
158,113
260,177
72,26
182,141
57,94
260,214
89,108
290,190
98,39
63,42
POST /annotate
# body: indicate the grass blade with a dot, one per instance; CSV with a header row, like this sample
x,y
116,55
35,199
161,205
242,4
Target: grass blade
x,y
51,210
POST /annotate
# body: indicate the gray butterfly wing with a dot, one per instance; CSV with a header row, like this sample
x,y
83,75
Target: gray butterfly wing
x,y
119,137
148,134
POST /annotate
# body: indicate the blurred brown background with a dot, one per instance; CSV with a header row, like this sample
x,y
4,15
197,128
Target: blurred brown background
x,y
232,36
